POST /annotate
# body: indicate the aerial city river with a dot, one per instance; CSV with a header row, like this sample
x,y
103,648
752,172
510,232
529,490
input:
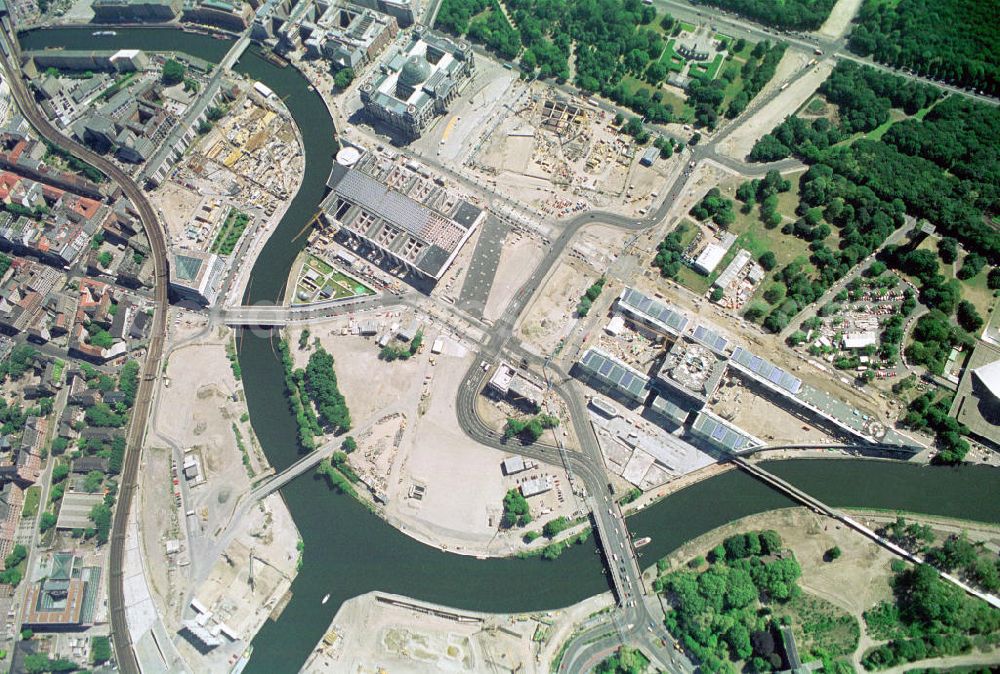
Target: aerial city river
x,y
349,551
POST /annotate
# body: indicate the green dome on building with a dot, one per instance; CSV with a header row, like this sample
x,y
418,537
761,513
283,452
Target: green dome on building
x,y
414,71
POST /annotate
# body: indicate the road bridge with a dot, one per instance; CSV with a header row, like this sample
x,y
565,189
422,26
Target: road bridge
x,y
276,315
818,506
279,480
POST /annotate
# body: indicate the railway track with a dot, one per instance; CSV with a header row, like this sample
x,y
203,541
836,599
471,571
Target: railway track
x,y
124,651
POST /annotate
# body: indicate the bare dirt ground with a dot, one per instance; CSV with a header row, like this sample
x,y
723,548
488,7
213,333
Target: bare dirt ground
x,y
381,632
521,252
739,143
267,536
762,418
840,18
371,386
197,406
176,205
550,316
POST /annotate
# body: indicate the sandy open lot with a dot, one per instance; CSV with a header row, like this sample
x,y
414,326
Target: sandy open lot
x,y
200,421
762,418
194,417
463,484
521,253
176,205
840,18
739,143
382,632
550,316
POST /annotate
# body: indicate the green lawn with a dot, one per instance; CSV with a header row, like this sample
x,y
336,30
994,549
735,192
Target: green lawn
x,y
693,281
31,499
692,231
228,236
670,58
879,131
976,291
815,106
715,65
689,27
319,265
684,112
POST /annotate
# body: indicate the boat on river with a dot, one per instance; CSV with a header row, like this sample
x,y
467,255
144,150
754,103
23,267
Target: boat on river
x,y
104,33
326,598
645,540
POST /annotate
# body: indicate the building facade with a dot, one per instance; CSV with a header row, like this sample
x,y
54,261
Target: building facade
x,y
418,83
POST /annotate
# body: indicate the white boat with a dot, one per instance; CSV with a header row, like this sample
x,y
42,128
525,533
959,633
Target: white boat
x,y
104,33
326,598
643,541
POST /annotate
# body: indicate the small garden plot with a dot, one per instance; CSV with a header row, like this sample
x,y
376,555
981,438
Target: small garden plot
x,y
862,329
318,282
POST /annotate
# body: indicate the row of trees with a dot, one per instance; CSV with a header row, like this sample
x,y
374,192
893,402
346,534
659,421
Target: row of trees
x,y
708,95
957,552
950,40
793,14
305,416
529,430
589,296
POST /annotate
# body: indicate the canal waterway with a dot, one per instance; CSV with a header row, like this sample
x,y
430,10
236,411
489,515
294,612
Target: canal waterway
x,y
349,551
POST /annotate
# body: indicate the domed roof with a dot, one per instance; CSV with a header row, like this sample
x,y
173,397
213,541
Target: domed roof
x,y
415,70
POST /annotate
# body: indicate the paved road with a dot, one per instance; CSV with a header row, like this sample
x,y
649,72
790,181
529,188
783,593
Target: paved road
x,y
124,653
276,315
483,266
738,27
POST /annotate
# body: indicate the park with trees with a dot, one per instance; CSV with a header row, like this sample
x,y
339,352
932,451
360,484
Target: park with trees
x,y
616,47
927,618
729,604
948,40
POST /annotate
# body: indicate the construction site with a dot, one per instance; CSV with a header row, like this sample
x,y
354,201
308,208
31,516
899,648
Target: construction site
x,y
249,162
563,156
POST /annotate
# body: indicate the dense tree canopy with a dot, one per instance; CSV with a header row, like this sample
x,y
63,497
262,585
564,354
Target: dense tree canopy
x,y
943,168
951,40
795,14
321,387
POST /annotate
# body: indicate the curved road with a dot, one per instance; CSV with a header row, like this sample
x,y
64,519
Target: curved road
x,y
124,652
